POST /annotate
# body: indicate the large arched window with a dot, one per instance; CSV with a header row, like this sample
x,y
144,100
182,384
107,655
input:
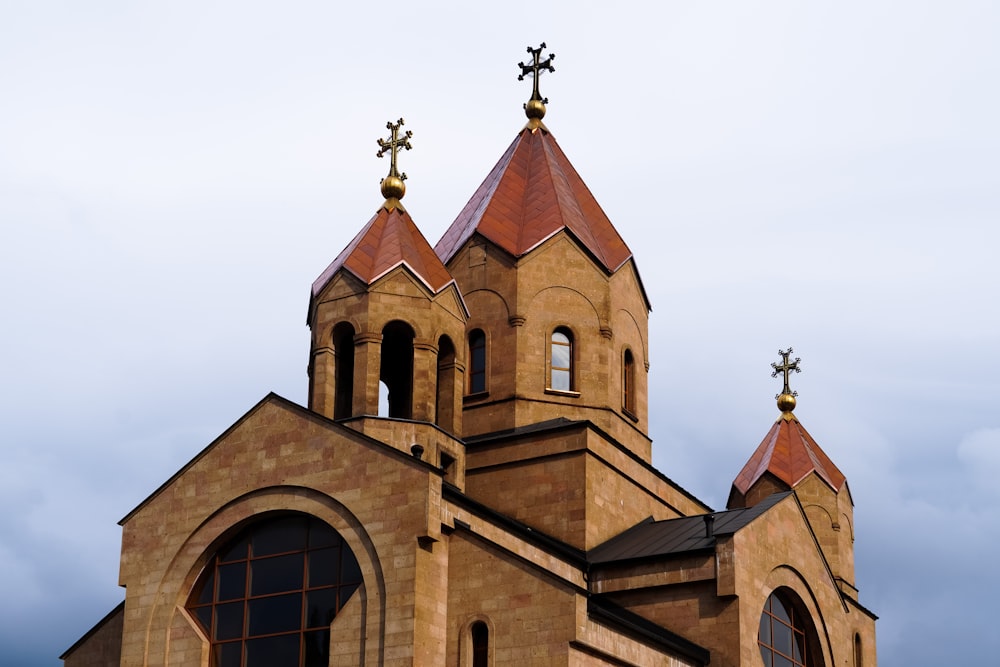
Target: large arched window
x,y
561,360
268,597
628,383
783,636
477,361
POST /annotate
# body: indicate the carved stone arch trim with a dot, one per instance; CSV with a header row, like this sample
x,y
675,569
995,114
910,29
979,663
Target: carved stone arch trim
x,y
788,579
551,288
201,544
642,339
465,645
814,506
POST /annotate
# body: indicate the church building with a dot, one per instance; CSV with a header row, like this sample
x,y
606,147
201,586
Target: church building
x,y
471,482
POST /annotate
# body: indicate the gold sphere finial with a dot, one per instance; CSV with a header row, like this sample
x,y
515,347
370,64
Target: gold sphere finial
x,y
392,185
786,399
786,402
534,108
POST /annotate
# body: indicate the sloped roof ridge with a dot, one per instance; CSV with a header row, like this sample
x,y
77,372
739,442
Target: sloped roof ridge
x,y
468,218
390,239
531,194
789,453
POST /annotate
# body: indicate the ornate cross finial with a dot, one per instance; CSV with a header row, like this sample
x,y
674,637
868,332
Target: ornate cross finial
x,y
785,368
392,185
535,70
534,108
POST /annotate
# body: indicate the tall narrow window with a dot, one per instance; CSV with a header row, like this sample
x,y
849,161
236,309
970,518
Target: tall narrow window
x,y
480,644
343,348
477,361
444,403
628,383
782,636
268,597
858,659
561,361
397,368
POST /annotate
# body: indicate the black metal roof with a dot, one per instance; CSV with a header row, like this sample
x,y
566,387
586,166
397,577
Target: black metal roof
x,y
652,539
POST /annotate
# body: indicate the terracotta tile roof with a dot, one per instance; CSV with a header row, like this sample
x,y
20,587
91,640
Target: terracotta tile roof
x,y
389,239
789,453
532,193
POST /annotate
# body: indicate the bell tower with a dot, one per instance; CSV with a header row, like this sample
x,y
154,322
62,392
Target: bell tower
x,y
558,328
387,318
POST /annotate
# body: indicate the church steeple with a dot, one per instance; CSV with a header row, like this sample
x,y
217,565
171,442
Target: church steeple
x,y
559,313
386,311
789,459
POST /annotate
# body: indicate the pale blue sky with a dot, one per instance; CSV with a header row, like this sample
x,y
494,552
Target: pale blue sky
x,y
173,176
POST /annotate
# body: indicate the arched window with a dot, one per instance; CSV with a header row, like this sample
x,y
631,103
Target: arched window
x,y
477,361
783,635
561,360
396,369
343,348
858,657
480,644
628,383
268,597
444,403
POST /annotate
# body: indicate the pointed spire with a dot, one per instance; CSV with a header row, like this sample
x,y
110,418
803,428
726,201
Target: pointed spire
x,y
393,188
390,238
534,108
788,452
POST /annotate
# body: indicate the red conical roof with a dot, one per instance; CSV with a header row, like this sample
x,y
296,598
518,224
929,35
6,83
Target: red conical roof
x,y
789,453
532,193
389,239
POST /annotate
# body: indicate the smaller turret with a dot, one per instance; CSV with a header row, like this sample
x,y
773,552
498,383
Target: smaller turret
x,y
789,459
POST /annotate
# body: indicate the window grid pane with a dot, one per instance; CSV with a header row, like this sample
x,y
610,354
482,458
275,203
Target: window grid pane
x,y
261,592
782,636
561,362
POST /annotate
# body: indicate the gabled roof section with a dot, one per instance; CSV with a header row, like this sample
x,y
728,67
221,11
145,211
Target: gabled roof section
x,y
654,539
532,193
388,240
789,453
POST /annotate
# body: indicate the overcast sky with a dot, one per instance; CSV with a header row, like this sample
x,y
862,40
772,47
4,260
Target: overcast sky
x,y
174,175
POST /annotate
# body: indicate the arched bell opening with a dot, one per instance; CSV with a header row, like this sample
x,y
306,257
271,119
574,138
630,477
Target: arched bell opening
x,y
396,368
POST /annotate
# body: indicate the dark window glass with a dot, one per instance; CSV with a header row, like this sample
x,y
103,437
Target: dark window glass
x,y
278,537
316,645
277,574
561,361
782,635
480,644
320,572
628,382
254,600
321,607
228,655
229,621
275,651
232,581
477,361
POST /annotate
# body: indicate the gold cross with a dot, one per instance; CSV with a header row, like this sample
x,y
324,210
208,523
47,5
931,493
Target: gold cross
x,y
785,368
393,144
535,70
